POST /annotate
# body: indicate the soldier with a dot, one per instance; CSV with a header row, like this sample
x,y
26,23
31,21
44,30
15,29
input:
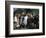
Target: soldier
x,y
29,21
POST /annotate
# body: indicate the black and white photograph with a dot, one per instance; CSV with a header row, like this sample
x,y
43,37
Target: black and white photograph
x,y
24,19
